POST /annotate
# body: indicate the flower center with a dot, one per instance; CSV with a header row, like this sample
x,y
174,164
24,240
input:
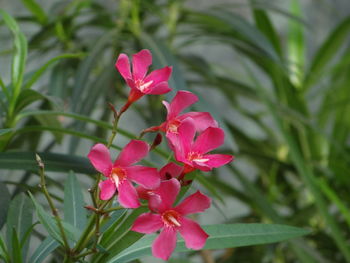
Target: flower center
x,y
196,157
117,175
171,218
173,125
143,87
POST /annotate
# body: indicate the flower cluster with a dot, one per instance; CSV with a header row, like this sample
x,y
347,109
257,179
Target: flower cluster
x,y
190,136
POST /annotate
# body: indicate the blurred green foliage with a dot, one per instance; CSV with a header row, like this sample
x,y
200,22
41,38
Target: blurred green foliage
x,y
297,102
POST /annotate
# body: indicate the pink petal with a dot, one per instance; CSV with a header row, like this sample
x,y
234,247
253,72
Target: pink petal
x,y
167,191
194,203
142,192
181,101
182,142
100,158
159,75
202,120
147,223
193,234
217,160
127,195
133,152
170,170
123,66
208,140
164,245
203,166
107,189
146,176
160,88
140,63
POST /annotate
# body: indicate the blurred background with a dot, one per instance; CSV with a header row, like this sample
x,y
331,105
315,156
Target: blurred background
x,y
275,75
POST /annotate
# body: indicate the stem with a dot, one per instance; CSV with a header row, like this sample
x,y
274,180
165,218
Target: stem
x,y
51,204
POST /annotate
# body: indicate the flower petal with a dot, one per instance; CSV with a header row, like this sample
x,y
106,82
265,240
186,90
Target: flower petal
x,y
140,63
182,142
192,233
100,158
133,152
208,140
159,75
123,66
217,160
107,189
181,101
194,203
202,120
127,195
160,88
170,170
167,191
148,177
164,245
147,223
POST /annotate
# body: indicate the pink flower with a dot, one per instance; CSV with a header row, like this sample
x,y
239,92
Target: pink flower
x,y
170,170
194,153
121,173
172,219
154,83
182,100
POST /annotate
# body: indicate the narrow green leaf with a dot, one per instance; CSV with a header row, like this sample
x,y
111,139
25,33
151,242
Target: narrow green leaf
x,y
53,162
296,45
5,131
36,10
19,217
50,224
113,238
16,247
74,211
220,237
3,250
264,24
47,221
19,58
39,72
5,199
43,250
327,51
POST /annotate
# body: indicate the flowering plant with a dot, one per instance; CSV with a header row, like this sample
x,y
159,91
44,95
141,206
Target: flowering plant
x,y
130,199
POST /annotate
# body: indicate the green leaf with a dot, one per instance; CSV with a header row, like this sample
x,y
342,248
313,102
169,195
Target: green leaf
x,y
50,224
19,217
43,250
118,236
3,250
47,221
53,162
36,10
327,51
296,45
27,97
39,72
19,58
16,247
74,211
5,131
5,199
220,237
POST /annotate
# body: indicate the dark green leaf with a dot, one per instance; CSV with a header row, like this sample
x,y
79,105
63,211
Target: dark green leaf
x,y
5,199
19,217
221,236
43,250
74,211
53,162
36,10
16,247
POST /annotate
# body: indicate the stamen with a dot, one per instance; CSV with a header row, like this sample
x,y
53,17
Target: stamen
x,y
171,218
